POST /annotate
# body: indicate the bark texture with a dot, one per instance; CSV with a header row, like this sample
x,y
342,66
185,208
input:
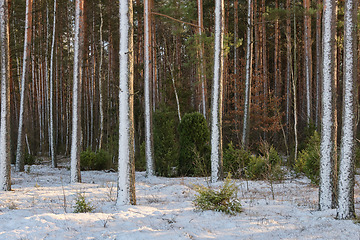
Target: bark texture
x,y
346,209
5,167
76,141
217,94
126,169
327,153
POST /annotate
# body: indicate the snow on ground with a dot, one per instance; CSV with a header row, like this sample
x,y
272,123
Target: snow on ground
x,y
41,205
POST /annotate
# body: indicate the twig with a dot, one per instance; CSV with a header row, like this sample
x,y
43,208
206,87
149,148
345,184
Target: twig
x,y
176,20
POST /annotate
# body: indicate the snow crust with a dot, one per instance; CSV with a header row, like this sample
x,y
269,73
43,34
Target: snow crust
x,y
35,210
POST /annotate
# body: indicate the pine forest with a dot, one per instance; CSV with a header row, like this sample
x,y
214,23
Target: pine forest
x,y
147,114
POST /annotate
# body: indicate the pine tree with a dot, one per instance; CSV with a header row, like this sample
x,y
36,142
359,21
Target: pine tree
x,y
346,209
147,86
126,173
327,153
217,92
24,74
5,167
249,44
76,141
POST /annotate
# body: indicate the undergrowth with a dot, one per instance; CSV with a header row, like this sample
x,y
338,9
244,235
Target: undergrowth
x,y
81,205
222,200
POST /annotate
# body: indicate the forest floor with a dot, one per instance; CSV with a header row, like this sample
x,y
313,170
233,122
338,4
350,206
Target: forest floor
x,y
41,206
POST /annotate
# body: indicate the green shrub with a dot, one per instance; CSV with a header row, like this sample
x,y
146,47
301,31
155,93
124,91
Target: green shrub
x,y
274,156
256,168
308,161
357,156
235,160
166,142
29,159
99,160
224,200
260,167
194,138
267,166
140,162
81,205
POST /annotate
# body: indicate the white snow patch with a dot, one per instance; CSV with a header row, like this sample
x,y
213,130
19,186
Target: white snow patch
x,y
35,210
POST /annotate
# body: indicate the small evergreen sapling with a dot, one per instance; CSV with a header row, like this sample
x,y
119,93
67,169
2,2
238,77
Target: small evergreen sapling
x,y
224,200
81,205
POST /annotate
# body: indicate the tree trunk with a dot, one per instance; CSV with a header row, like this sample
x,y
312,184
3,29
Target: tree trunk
x,y
288,66
294,83
327,111
202,61
76,141
27,47
150,168
248,76
126,173
101,78
217,93
51,104
346,209
264,63
5,157
318,63
307,59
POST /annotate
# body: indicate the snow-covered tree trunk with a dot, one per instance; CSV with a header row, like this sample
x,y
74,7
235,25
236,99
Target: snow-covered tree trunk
x,y
327,110
27,47
101,110
126,175
307,59
346,209
277,68
147,80
294,84
5,167
248,77
318,62
288,66
202,61
217,94
51,93
76,137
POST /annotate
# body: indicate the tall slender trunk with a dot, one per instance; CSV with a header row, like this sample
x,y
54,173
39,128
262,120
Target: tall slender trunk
x,y
51,103
327,110
288,66
248,76
126,175
277,68
236,22
202,61
264,62
307,59
346,209
76,141
5,157
26,53
294,87
217,94
318,63
101,78
150,168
